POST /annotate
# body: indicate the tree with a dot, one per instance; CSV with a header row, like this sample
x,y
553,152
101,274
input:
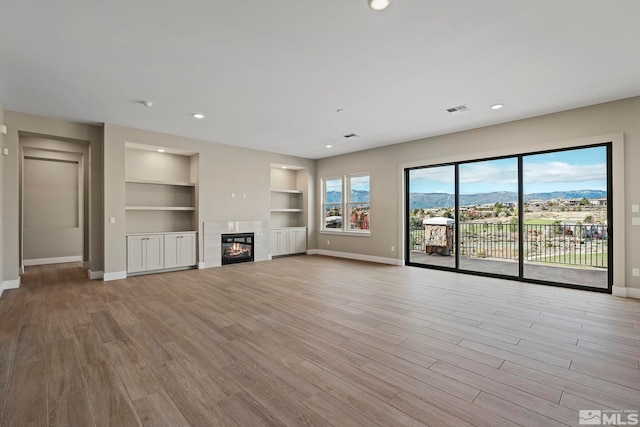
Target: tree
x,y
584,202
447,213
513,224
588,219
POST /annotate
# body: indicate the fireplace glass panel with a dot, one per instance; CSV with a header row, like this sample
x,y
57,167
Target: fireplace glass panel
x,y
237,248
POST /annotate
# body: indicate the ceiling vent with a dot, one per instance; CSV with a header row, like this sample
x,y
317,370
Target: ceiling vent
x,y
351,135
458,109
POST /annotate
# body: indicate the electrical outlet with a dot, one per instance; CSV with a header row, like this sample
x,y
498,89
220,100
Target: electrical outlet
x,y
635,208
328,243
112,220
635,220
635,272
393,248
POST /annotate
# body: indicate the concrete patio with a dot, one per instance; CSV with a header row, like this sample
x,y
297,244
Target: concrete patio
x,y
559,273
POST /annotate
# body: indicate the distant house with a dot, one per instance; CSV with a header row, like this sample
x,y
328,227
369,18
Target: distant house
x,y
598,202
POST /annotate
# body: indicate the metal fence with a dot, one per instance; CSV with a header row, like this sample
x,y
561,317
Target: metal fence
x,y
583,245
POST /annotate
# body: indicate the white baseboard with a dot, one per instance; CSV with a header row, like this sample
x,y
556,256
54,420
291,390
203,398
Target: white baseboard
x,y
9,284
116,275
94,275
620,291
56,260
359,257
201,265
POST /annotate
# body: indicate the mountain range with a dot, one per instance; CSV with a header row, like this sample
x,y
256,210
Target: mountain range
x,y
440,200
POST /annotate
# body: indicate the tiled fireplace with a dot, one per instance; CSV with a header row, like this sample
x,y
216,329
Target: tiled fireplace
x,y
212,239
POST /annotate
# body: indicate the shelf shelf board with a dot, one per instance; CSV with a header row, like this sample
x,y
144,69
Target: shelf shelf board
x,y
147,181
287,191
286,210
160,208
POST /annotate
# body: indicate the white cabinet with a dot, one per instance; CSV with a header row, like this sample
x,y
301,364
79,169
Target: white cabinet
x,y
179,250
297,240
279,242
290,240
153,252
145,253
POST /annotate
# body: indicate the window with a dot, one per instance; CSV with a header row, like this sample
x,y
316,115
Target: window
x,y
348,194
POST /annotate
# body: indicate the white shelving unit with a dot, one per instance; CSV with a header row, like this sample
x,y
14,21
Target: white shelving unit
x,y
288,209
160,210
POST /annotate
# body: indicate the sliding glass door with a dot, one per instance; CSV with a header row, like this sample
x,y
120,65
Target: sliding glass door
x,y
566,217
488,212
431,216
540,217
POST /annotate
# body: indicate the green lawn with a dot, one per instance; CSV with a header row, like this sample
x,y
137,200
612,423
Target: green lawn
x,y
539,221
599,259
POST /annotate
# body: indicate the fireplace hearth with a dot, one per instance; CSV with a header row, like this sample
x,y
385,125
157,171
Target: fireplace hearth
x,y
236,248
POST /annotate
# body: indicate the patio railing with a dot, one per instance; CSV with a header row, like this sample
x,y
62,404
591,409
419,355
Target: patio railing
x,y
583,245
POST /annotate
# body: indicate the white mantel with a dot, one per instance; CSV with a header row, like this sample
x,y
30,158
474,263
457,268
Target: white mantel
x,y
213,230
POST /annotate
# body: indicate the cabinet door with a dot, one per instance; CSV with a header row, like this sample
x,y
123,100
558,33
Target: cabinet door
x,y
283,242
297,240
171,250
187,250
136,254
273,242
155,251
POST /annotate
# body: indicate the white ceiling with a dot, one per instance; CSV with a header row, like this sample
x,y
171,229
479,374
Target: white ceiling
x,y
271,74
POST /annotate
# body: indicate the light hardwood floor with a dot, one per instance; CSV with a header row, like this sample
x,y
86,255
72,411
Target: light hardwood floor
x,y
311,340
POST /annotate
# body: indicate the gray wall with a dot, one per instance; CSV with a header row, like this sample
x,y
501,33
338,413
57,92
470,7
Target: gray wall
x,y
385,165
222,170
2,278
25,125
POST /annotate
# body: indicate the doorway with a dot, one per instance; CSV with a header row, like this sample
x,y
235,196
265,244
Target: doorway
x,y
53,201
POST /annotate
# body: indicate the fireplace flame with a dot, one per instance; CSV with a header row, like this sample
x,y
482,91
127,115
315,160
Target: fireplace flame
x,y
237,250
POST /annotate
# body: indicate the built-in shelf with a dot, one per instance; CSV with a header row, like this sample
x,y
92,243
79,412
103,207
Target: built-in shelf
x,y
160,208
287,191
146,181
286,210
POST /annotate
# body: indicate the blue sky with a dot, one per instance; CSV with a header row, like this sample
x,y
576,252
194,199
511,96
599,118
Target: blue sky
x,y
583,169
360,183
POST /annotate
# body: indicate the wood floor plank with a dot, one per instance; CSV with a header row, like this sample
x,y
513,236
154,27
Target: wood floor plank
x,y
246,411
64,375
425,412
30,344
70,410
134,372
158,410
518,414
107,327
26,403
197,406
107,397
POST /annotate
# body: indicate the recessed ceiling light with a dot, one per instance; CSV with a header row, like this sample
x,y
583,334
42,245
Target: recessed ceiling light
x,y
160,150
147,103
329,146
497,106
340,110
198,115
379,4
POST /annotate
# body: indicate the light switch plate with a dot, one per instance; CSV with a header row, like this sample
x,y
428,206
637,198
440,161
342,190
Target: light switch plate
x,y
635,208
635,220
635,272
